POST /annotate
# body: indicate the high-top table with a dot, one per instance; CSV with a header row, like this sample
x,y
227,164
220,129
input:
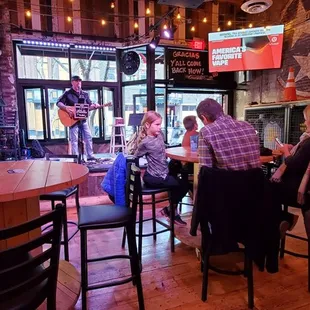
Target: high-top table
x,y
186,155
22,183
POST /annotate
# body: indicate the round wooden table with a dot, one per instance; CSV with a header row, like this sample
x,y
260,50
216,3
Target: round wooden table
x,y
22,183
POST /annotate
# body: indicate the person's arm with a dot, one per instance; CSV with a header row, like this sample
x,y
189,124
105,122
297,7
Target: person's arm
x,y
92,106
141,150
61,103
300,157
204,152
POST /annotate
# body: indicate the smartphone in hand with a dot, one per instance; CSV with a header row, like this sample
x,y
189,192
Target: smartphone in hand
x,y
278,142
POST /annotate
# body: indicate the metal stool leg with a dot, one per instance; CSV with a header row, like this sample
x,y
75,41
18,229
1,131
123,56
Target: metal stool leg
x,y
154,216
65,233
84,267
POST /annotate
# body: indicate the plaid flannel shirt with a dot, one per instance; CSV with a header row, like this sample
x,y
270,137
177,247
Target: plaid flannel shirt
x,y
229,144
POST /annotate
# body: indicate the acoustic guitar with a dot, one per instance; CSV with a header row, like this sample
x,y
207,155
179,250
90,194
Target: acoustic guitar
x,y
68,121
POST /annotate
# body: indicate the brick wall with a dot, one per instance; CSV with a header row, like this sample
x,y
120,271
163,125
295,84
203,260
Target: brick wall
x,y
7,73
268,85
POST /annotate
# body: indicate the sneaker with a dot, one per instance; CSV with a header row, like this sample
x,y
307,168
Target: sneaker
x,y
165,212
179,221
91,158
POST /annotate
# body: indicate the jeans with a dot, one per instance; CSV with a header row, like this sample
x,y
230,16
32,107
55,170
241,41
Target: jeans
x,y
86,135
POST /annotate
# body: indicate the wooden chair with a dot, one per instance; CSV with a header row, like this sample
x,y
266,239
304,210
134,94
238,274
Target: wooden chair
x,y
62,196
24,282
108,217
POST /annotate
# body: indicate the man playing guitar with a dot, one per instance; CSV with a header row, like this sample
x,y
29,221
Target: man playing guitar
x,y
70,97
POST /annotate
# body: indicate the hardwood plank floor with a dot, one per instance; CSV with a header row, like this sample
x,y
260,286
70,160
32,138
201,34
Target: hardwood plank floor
x,y
173,280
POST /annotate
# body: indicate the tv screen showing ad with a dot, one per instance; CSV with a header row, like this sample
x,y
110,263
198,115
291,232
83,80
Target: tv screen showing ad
x,y
246,49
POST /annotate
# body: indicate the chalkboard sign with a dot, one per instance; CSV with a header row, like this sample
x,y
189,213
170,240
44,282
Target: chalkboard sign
x,y
184,65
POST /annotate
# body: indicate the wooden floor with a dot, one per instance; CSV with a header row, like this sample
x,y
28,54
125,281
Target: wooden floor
x,y
173,281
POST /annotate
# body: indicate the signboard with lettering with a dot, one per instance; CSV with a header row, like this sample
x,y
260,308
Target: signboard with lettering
x,y
81,110
184,65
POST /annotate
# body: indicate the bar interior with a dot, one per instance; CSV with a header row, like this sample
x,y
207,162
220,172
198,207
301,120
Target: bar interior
x,y
153,154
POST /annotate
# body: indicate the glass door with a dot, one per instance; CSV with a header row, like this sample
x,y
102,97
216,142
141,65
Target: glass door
x,y
35,115
56,130
108,94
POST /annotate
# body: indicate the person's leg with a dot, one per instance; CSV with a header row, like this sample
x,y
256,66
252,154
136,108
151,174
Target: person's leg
x,y
88,140
178,190
73,136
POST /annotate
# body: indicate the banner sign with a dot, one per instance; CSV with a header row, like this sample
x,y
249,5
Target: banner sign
x,y
247,49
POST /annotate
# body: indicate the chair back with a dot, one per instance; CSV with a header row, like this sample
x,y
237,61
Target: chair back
x,y
227,204
28,271
133,189
63,157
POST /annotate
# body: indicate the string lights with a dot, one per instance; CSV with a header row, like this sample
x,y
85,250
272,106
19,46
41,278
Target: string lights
x,y
178,17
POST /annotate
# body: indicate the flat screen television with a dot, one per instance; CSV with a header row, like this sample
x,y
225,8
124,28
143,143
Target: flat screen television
x,y
246,49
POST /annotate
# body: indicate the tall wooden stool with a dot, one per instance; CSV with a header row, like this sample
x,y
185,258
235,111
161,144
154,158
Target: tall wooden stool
x,y
118,130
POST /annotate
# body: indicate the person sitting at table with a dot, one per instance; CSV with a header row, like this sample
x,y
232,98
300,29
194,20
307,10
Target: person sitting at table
x,y
289,184
150,142
226,143
191,126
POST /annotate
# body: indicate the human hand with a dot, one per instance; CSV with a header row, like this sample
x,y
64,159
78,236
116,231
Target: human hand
x,y
285,149
276,177
70,112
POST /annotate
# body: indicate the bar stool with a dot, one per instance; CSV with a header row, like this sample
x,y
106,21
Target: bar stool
x,y
113,216
282,246
118,130
147,191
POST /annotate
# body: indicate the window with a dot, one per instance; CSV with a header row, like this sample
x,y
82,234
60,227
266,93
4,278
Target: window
x,y
94,65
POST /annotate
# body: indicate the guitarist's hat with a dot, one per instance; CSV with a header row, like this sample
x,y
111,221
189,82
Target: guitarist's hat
x,y
76,78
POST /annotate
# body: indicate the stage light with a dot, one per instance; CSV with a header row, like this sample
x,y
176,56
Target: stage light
x,y
155,41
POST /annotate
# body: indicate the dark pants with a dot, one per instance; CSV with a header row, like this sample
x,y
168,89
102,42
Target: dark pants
x,y
286,193
178,187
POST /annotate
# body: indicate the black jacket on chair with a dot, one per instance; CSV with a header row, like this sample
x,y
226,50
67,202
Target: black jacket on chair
x,y
232,207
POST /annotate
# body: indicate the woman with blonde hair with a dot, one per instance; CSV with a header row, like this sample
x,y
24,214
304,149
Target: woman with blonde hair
x,y
150,142
290,181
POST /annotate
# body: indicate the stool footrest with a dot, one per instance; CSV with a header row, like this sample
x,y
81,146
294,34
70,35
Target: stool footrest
x,y
98,259
157,201
296,254
154,233
296,237
114,283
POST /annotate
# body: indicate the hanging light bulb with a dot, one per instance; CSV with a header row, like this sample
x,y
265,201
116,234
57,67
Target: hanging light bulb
x,y
193,28
165,27
250,25
148,11
229,23
218,29
112,5
136,26
178,16
69,19
103,22
28,13
204,20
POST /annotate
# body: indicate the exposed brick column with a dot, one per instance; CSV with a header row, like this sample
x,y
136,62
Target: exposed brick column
x,y
7,73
